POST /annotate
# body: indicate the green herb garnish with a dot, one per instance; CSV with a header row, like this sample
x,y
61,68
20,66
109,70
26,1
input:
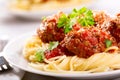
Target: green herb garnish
x,y
83,16
44,18
53,45
86,17
108,43
39,55
65,22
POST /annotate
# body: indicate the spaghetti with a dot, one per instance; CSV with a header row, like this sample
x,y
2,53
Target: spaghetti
x,y
75,42
98,62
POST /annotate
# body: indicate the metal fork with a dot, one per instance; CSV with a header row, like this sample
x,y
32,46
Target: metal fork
x,y
4,65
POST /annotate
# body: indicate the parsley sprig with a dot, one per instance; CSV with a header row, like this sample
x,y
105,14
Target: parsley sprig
x,y
65,22
44,18
53,45
39,55
83,16
108,43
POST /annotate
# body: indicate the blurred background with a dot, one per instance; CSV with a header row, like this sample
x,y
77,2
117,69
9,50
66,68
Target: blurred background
x,y
18,17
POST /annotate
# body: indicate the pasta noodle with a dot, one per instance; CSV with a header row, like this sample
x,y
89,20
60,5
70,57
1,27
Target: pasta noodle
x,y
82,41
31,46
98,62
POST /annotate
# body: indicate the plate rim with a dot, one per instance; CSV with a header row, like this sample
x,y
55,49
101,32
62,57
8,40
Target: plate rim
x,y
67,75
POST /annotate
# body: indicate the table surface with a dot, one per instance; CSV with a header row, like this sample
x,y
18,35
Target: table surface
x,y
11,26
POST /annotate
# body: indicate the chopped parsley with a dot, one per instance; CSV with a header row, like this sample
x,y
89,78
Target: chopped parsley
x,y
86,17
108,43
83,16
65,22
44,18
39,55
53,45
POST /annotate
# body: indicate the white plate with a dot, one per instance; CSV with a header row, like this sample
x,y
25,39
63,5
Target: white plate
x,y
13,53
36,15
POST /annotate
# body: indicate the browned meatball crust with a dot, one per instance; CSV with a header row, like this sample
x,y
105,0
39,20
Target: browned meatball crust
x,y
86,42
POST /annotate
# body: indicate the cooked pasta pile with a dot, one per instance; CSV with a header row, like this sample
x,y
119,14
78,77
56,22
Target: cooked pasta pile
x,y
98,62
82,41
31,47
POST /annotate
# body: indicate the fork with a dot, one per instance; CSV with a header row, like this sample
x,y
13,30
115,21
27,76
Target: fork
x,y
4,65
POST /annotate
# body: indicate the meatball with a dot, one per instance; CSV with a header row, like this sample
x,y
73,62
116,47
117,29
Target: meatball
x,y
49,31
105,23
102,20
87,42
114,29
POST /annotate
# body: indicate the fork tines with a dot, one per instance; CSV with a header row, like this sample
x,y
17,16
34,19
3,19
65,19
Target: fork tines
x,y
4,65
